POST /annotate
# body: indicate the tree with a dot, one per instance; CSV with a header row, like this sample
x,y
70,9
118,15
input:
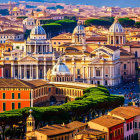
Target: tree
x,y
137,25
52,29
94,99
126,22
97,22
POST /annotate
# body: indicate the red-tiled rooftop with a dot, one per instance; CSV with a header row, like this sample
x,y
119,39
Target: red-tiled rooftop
x,y
16,32
126,112
98,38
107,121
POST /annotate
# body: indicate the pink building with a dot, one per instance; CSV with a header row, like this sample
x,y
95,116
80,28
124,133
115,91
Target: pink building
x,y
131,116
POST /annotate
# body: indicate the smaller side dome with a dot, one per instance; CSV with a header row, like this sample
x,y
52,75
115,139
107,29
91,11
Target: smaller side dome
x,y
116,27
79,29
60,69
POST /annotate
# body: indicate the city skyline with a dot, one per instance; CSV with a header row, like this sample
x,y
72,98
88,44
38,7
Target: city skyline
x,y
97,3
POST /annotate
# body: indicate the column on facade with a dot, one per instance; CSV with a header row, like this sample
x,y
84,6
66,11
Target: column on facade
x,y
35,48
114,39
44,71
119,39
2,72
83,73
89,74
25,69
31,48
74,72
36,71
103,74
11,71
20,72
30,71
110,39
42,49
93,71
110,71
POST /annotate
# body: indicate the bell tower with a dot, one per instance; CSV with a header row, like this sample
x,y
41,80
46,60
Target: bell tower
x,y
30,122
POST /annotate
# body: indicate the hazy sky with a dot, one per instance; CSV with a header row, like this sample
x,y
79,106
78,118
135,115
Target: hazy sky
x,y
99,3
121,3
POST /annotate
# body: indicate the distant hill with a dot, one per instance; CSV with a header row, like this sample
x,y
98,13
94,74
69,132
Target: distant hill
x,y
99,3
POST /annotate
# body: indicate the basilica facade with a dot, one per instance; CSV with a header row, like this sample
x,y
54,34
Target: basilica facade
x,y
32,62
36,59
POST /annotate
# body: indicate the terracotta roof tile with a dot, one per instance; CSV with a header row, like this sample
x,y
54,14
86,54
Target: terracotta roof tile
x,y
92,132
126,112
107,121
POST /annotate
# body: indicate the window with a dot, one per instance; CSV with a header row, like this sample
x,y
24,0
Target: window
x,y
13,105
135,124
116,133
97,72
18,95
54,42
4,106
49,89
136,54
128,127
124,73
78,71
19,105
3,95
110,135
124,66
13,96
121,130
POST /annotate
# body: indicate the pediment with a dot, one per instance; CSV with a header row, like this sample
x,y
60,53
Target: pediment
x,y
96,60
28,60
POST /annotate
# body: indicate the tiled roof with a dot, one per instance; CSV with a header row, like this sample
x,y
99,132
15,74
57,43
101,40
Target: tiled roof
x,y
64,36
12,83
91,132
76,124
114,48
126,112
15,83
16,32
35,83
107,121
54,130
98,38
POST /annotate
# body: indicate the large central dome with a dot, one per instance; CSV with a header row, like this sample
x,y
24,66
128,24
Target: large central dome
x,y
38,30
